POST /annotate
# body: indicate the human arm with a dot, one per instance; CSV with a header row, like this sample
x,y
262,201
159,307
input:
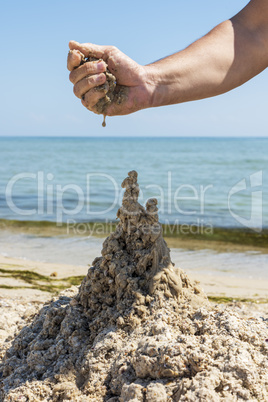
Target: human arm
x,y
229,55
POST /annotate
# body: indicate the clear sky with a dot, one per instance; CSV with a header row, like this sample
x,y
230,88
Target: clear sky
x,y
37,97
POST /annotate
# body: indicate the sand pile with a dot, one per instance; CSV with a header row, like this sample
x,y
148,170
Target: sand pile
x,y
137,330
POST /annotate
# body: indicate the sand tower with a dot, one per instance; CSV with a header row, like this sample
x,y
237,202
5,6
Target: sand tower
x,y
137,329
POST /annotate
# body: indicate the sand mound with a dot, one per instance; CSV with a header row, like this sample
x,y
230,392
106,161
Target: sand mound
x,y
137,330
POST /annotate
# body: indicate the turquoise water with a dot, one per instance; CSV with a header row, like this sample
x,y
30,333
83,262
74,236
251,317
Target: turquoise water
x,y
78,179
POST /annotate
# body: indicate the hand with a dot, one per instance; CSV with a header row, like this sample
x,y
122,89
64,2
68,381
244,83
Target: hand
x,y
91,74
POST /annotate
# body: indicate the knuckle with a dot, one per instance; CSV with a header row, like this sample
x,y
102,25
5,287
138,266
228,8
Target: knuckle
x,y
86,104
90,99
72,77
76,91
86,99
110,50
89,81
94,80
89,67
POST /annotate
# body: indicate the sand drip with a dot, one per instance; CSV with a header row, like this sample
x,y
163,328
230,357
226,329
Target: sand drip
x,y
138,329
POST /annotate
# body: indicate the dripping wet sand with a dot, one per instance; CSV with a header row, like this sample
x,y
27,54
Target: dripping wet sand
x,y
113,92
137,329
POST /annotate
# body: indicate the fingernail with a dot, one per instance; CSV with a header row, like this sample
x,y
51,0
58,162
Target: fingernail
x,y
100,77
101,65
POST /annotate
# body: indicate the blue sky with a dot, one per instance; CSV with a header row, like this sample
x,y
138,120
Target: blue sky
x,y
37,98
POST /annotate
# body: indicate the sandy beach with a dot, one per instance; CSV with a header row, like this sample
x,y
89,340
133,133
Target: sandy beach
x,y
215,286
20,301
134,326
25,284
20,291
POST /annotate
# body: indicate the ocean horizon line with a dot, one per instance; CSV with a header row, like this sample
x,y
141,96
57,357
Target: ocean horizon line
x,y
133,137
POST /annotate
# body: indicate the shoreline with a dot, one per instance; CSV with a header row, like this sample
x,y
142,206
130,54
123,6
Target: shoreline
x,y
41,280
222,239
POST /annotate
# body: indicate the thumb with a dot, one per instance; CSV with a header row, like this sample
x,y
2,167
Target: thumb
x,y
88,49
74,59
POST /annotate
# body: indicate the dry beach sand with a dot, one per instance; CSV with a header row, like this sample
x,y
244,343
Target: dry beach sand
x,y
137,329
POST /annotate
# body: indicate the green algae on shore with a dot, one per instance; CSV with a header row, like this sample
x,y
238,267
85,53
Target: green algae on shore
x,y
174,234
226,299
37,281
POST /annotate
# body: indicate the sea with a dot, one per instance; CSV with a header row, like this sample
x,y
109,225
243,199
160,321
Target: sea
x,y
211,181
202,183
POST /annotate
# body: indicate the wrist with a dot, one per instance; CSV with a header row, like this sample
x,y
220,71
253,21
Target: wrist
x,y
163,84
151,85
142,95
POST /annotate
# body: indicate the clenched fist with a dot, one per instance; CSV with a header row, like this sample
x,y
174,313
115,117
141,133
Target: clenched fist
x,y
132,91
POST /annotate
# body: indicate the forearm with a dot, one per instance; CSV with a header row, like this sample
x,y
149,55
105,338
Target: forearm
x,y
231,54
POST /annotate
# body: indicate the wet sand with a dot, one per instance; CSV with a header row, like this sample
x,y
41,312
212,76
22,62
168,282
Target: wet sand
x,y
244,297
214,285
135,319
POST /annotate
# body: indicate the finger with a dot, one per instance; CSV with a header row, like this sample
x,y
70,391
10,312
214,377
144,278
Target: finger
x,y
88,49
89,68
88,83
91,98
74,59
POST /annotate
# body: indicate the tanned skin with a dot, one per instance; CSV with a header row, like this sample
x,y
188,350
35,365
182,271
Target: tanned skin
x,y
231,54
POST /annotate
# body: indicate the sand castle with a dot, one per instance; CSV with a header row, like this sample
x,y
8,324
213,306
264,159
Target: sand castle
x,y
135,267
138,329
